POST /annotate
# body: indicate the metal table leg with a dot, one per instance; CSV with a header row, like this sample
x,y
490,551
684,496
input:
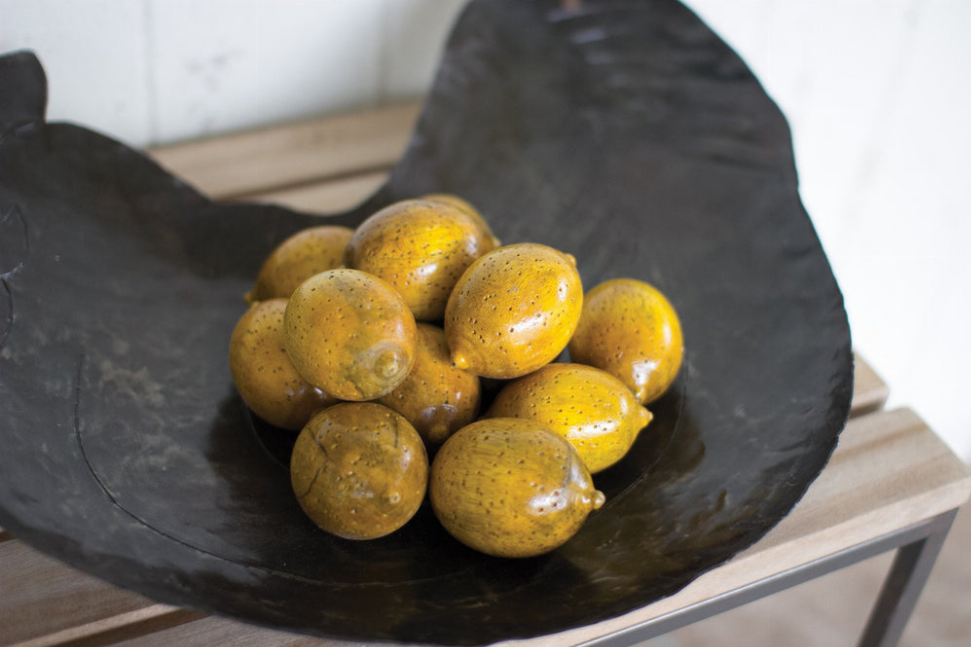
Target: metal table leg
x,y
918,546
898,597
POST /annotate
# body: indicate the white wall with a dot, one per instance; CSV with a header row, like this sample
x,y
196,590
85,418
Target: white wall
x,y
877,93
160,71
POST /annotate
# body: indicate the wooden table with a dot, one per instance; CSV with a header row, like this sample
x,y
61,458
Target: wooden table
x,y
890,483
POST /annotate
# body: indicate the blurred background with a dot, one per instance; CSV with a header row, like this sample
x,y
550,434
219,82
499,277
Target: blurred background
x,y
876,92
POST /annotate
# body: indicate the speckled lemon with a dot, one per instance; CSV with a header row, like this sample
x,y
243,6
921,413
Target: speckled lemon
x,y
511,488
263,373
629,329
359,470
350,334
436,398
420,248
296,259
591,408
467,207
513,311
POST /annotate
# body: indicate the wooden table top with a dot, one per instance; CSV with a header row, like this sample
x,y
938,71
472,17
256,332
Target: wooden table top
x,y
889,470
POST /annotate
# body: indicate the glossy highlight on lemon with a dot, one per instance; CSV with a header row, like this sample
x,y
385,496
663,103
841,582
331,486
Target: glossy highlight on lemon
x,y
436,398
589,407
264,375
513,310
467,207
629,329
421,249
350,334
359,470
305,253
511,488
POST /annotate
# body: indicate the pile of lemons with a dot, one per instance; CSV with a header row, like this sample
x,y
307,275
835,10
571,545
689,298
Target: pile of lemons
x,y
376,345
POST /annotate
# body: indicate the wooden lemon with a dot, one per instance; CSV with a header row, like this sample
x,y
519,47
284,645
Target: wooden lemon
x,y
359,470
420,248
629,329
299,257
263,373
350,334
467,207
436,398
513,311
591,408
511,488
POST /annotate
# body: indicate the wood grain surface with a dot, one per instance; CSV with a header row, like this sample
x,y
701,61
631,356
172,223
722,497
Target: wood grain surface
x,y
300,153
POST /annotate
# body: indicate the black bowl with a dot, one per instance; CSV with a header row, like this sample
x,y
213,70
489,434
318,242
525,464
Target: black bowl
x,y
626,134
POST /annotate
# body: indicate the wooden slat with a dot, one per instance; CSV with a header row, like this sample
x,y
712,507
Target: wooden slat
x,y
42,596
137,624
220,631
294,154
326,197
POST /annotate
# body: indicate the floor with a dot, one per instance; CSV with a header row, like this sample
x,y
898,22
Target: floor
x,y
831,611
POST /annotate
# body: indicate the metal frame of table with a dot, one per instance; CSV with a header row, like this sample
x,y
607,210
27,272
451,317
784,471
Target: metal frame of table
x,y
917,549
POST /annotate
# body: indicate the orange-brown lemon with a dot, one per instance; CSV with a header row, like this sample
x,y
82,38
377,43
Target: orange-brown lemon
x,y
467,207
629,329
591,408
296,259
511,488
436,398
350,334
420,248
513,311
263,373
359,470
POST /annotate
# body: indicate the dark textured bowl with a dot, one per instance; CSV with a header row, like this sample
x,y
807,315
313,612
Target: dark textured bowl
x,y
624,133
